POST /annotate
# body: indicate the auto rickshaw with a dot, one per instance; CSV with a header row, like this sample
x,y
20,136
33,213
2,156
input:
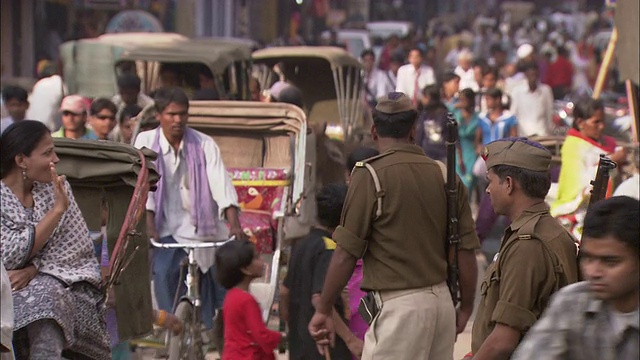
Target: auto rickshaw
x,y
91,66
330,79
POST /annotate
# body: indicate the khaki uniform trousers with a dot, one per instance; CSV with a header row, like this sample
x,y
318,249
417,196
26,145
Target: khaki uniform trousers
x,y
412,324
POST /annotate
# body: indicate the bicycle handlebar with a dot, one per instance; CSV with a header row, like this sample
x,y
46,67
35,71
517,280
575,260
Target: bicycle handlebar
x,y
203,245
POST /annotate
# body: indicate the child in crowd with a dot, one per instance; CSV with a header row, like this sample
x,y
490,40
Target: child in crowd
x,y
127,122
16,102
357,325
305,278
245,334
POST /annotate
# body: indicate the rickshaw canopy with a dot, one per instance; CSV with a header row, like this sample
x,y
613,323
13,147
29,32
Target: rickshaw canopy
x,y
108,173
256,134
90,64
329,77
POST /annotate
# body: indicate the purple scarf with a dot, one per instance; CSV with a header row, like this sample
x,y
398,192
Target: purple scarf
x,y
204,209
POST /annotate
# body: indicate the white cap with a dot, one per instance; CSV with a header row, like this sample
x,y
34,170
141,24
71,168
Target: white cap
x,y
524,51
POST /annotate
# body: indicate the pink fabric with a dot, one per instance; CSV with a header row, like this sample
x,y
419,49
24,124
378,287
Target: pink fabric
x,y
357,325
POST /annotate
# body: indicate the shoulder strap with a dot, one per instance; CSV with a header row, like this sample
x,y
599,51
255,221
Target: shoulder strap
x,y
526,232
443,170
378,187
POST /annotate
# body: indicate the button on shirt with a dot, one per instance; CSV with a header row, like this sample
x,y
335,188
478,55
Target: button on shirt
x,y
578,326
177,203
407,80
533,109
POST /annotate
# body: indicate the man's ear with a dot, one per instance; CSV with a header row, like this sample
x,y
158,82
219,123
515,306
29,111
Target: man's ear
x,y
412,134
510,184
374,132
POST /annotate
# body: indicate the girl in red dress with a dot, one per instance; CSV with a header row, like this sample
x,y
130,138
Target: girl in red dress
x,y
246,337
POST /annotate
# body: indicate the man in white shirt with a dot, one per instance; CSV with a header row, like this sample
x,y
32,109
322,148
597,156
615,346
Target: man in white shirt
x,y
414,76
193,199
45,100
532,104
374,78
466,72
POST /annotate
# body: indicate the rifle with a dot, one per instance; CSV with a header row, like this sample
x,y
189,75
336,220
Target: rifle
x,y
601,182
599,188
453,238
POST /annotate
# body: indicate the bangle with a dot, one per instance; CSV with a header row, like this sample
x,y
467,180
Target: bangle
x,y
162,318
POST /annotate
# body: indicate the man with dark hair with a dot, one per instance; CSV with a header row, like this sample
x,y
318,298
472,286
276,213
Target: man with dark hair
x,y
374,78
414,76
129,93
537,255
597,318
532,104
207,82
102,117
394,218
16,101
306,274
194,201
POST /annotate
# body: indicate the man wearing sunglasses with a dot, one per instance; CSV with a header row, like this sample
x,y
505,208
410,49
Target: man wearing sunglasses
x,y
102,117
74,119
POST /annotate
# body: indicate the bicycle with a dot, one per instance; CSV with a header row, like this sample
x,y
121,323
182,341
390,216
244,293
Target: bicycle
x,y
188,345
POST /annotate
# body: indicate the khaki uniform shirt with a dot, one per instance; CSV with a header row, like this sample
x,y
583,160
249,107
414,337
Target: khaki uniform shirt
x,y
404,248
519,283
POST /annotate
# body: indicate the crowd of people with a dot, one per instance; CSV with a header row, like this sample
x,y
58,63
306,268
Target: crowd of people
x,y
380,235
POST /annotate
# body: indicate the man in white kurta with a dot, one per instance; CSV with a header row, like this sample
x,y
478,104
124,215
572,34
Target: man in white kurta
x,y
175,210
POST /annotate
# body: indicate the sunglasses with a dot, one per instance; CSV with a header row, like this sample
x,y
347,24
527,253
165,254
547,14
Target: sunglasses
x,y
69,113
105,117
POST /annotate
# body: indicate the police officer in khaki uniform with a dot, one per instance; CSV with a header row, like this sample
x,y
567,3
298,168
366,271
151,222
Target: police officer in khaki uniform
x,y
537,255
394,218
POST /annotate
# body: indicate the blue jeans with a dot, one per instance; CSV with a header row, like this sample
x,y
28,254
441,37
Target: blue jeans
x,y
166,279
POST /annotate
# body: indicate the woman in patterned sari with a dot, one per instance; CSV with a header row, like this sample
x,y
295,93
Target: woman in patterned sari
x,y
55,277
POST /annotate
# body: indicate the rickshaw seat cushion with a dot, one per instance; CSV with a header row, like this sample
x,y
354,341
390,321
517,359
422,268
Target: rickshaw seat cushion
x,y
260,229
260,189
260,196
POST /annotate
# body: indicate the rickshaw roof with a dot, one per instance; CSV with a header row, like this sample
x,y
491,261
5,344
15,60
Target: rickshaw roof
x,y
247,116
96,164
335,56
217,53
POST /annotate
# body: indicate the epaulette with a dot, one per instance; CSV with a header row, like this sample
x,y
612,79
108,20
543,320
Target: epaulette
x,y
329,244
376,180
371,159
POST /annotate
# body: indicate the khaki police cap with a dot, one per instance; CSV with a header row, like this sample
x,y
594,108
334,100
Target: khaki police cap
x,y
394,102
518,152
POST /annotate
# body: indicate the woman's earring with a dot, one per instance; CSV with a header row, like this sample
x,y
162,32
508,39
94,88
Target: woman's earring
x,y
24,174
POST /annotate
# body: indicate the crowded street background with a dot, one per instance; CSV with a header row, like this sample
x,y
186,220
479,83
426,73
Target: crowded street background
x,y
318,179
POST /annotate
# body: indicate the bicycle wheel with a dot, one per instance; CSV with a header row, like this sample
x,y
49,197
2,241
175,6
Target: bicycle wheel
x,y
188,344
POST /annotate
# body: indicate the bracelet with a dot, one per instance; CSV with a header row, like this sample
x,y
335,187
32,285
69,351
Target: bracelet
x,y
162,318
